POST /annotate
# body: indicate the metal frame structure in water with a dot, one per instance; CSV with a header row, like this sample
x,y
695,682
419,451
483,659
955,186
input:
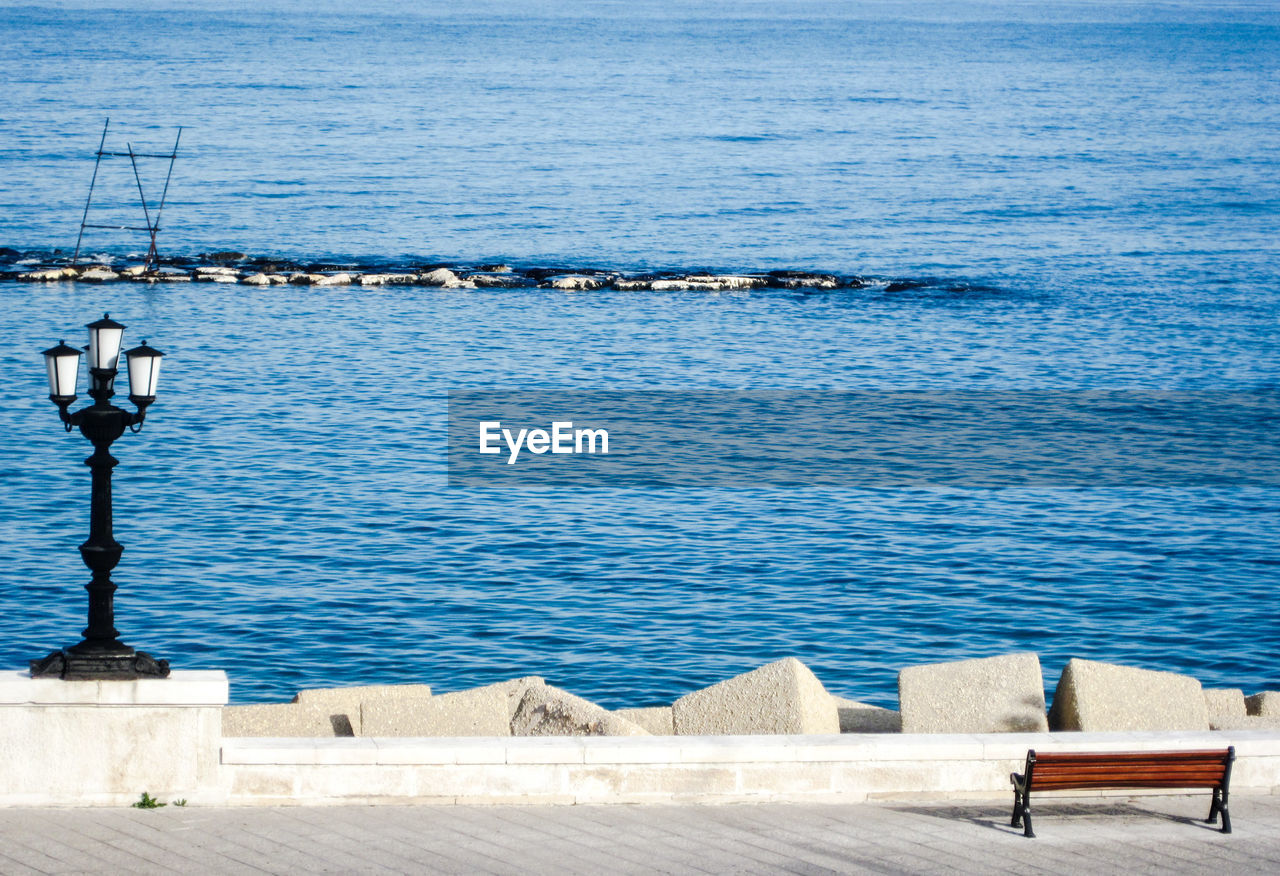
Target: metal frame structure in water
x,y
152,227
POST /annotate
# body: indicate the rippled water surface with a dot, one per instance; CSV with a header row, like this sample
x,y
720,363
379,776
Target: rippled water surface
x,y
1082,196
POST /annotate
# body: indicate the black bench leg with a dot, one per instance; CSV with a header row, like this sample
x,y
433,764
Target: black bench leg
x,y
1219,806
1026,818
1016,820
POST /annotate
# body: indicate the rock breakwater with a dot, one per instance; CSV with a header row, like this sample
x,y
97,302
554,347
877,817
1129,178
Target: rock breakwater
x,y
237,268
1002,694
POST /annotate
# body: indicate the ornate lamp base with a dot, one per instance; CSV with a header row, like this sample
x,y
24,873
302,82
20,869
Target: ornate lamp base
x,y
70,666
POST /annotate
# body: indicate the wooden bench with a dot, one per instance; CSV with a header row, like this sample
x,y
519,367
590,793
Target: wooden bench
x,y
1064,771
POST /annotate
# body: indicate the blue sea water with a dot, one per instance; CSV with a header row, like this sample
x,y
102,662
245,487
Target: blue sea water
x,y
1080,196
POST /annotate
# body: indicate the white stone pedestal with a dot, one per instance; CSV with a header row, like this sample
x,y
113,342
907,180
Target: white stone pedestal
x,y
102,743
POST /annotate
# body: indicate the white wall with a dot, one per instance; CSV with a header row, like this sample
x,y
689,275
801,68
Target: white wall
x,y
103,743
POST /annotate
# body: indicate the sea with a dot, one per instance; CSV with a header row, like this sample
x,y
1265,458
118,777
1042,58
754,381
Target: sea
x,y
1028,199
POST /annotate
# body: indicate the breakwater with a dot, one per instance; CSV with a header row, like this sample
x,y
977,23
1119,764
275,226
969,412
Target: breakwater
x,y
234,267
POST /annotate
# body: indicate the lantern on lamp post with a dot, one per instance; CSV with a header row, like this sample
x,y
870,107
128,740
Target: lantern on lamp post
x,y
101,654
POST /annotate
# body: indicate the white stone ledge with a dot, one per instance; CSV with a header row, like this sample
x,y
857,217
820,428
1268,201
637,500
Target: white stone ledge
x,y
846,748
681,769
182,688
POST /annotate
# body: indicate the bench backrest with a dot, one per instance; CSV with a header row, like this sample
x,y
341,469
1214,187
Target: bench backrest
x,y
1061,771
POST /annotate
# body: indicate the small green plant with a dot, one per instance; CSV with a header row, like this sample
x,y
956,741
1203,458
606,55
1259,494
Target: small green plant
x,y
146,801
182,802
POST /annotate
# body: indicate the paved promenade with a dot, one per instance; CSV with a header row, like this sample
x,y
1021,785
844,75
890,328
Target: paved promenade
x,y
1129,836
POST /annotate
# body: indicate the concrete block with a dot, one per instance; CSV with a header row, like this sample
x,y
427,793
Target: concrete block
x,y
987,695
1226,708
347,700
479,712
657,720
514,690
856,717
1264,705
1093,696
781,697
1246,722
285,719
352,697
548,711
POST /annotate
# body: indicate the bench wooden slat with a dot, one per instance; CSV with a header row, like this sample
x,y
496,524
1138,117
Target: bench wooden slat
x,y
1103,784
1212,773
1089,757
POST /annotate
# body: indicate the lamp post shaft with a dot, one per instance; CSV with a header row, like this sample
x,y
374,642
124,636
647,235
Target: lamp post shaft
x,y
101,552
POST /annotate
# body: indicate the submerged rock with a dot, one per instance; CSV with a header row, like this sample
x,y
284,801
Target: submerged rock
x,y
577,283
801,280
99,275
498,281
706,283
265,280
206,272
163,277
729,281
387,279
48,275
445,278
335,280
629,285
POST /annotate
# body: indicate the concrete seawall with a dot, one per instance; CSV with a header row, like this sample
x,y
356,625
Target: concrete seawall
x,y
104,743
702,769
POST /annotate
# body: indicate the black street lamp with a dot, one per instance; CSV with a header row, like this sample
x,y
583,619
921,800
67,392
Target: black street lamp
x,y
101,655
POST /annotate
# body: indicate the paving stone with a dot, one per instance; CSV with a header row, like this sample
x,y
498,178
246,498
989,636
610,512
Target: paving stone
x,y
1264,705
856,717
988,695
1226,708
549,711
285,719
780,697
1146,834
657,720
479,712
1094,696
